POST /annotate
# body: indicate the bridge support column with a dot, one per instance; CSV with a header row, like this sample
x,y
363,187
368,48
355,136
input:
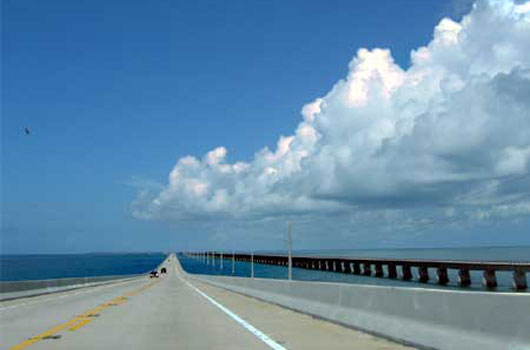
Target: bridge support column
x,y
392,271
519,280
367,269
423,274
443,278
347,267
489,279
379,270
464,278
406,272
356,268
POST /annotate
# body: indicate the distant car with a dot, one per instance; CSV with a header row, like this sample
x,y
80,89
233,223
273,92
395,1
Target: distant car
x,y
163,270
153,274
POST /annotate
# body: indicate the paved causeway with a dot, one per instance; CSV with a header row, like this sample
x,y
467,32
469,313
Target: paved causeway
x,y
170,312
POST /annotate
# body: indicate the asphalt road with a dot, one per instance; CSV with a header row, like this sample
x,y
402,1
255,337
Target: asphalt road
x,y
167,313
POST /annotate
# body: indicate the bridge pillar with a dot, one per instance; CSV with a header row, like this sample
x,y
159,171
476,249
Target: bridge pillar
x,y
392,271
519,280
356,268
379,270
407,273
367,269
489,279
347,267
464,278
443,278
423,274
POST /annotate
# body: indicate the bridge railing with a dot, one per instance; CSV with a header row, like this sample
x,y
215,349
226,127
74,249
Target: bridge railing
x,y
393,268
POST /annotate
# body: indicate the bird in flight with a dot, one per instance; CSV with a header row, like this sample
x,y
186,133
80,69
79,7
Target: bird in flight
x,y
27,130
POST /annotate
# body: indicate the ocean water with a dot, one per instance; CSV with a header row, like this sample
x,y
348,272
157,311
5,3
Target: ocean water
x,y
242,269
38,267
34,267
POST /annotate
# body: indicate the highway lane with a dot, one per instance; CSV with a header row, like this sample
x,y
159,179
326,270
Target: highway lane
x,y
167,313
292,329
23,318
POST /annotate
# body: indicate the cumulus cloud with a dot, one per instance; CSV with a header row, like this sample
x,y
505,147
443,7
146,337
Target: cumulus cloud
x,y
454,124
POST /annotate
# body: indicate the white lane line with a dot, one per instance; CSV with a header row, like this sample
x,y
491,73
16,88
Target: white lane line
x,y
263,337
92,289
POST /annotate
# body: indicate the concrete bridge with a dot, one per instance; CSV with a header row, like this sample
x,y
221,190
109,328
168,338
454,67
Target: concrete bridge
x,y
182,311
170,312
388,267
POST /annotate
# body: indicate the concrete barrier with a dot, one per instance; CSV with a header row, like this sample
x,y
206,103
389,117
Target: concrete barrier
x,y
426,318
20,289
18,286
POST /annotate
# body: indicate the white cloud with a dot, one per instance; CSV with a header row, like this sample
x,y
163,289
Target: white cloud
x,y
456,120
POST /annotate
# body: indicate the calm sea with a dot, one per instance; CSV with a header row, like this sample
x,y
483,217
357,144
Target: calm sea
x,y
37,267
242,269
34,267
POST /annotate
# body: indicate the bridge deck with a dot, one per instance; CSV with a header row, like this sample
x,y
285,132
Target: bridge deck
x,y
166,313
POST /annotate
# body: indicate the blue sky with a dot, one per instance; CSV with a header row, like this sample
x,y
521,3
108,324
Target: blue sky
x,y
116,92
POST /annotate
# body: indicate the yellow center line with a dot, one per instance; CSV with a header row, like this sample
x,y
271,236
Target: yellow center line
x,y
82,319
80,324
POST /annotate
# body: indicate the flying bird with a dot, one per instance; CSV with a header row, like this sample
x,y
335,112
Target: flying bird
x,y
27,130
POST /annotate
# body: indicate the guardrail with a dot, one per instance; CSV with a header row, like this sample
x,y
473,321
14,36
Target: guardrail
x,y
25,288
20,286
389,267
